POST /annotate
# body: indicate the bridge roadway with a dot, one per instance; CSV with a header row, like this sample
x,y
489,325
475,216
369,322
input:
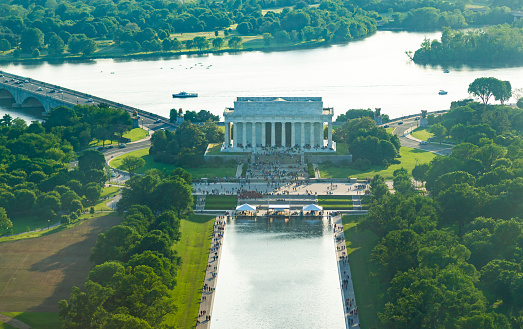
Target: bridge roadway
x,y
57,95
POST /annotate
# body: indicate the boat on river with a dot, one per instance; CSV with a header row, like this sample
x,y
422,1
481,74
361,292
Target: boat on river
x,y
184,94
442,92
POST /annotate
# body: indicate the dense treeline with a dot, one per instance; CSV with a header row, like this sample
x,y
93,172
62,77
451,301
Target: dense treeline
x,y
368,143
82,124
447,258
75,27
496,44
186,145
360,113
131,284
34,173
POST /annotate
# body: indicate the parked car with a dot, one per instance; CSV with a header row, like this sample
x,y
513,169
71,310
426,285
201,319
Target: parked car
x,y
109,147
100,148
39,89
386,126
51,90
423,143
89,100
122,146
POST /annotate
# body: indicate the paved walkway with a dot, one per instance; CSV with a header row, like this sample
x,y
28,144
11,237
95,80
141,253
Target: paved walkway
x,y
209,284
347,289
13,322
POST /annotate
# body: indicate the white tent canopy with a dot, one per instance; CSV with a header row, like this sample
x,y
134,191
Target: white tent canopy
x,y
246,207
312,207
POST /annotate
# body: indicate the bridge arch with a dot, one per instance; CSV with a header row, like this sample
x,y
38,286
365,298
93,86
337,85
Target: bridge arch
x,y
33,105
6,95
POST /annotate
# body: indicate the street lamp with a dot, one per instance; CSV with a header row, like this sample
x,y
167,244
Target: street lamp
x,y
48,224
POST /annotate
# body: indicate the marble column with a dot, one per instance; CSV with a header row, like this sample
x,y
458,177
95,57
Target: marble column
x,y
244,134
302,134
283,135
235,135
273,133
253,139
320,135
227,134
312,134
293,134
329,129
264,127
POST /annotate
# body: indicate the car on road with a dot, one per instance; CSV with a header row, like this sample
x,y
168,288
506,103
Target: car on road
x,y
26,81
39,89
122,146
423,143
417,118
89,100
158,121
6,80
100,148
400,123
51,90
21,85
386,126
109,147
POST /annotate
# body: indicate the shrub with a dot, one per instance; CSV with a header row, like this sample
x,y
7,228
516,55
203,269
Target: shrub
x,y
91,210
520,103
73,216
64,219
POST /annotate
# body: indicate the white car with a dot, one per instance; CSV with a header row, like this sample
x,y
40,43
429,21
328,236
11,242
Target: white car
x,y
39,89
89,100
423,143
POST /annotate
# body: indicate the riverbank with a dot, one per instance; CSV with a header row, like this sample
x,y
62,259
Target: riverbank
x,y
167,54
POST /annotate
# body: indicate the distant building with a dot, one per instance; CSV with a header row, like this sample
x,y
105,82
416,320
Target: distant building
x,y
285,122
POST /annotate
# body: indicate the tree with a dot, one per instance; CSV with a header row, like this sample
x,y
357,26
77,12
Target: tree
x,y
115,244
459,204
201,42
439,131
485,88
93,191
31,39
91,159
6,120
217,43
378,187
131,163
503,91
173,115
235,42
5,223
56,45
4,45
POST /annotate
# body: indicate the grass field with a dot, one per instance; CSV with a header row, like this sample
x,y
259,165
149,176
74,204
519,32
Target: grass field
x,y
37,273
193,248
407,161
368,290
215,150
390,130
135,135
224,170
35,320
26,224
107,192
220,202
421,133
335,202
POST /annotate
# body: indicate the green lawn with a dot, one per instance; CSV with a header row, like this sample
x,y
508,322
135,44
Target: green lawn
x,y
335,202
342,149
221,202
34,320
193,248
407,161
421,133
216,147
390,130
368,289
224,170
27,223
109,192
135,135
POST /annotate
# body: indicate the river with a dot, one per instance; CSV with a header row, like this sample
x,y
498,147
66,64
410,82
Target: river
x,y
368,73
278,274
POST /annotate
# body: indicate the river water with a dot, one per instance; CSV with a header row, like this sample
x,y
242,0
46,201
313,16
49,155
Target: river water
x,y
278,274
368,73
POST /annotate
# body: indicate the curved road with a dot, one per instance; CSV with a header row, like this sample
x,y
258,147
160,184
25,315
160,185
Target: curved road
x,y
440,149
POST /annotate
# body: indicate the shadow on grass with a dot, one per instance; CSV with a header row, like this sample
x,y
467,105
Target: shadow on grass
x,y
200,219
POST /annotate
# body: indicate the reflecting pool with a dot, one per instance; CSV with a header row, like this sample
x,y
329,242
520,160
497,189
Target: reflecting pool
x,y
278,274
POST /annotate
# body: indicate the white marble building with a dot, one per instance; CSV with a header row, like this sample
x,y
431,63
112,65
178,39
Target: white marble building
x,y
278,122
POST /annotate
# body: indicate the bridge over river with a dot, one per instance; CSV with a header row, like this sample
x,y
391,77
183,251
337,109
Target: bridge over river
x,y
24,92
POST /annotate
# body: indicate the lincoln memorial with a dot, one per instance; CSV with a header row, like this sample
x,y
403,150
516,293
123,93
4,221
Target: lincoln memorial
x,y
278,122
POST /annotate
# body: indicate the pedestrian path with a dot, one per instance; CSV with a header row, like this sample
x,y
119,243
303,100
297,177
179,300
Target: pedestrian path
x,y
209,284
15,323
350,309
356,202
200,203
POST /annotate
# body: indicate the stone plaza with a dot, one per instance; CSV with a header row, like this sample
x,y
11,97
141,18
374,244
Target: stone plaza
x,y
294,123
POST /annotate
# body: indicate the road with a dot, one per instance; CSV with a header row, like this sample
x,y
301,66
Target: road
x,y
400,130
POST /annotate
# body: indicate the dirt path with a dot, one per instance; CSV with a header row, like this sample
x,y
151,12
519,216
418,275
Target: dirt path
x,y
13,322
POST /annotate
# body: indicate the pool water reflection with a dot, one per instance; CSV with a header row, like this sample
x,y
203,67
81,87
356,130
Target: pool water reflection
x,y
278,274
